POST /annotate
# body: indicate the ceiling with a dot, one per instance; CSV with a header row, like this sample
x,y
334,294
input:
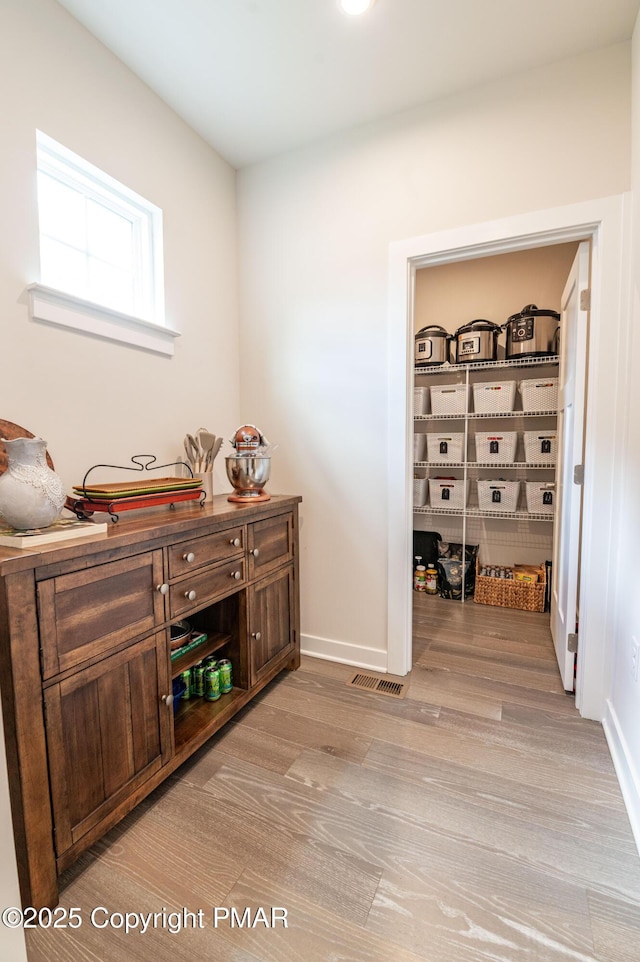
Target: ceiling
x,y
256,78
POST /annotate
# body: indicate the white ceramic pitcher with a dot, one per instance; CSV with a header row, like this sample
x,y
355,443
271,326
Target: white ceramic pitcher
x,y
31,494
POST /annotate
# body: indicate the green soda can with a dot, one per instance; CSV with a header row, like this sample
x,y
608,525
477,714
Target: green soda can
x,y
210,662
198,679
211,684
186,678
226,680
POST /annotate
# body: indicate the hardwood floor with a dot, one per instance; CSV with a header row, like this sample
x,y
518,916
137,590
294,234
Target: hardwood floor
x,y
477,820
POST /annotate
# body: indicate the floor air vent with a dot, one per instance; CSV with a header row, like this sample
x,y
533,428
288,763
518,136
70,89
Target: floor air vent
x,y
381,686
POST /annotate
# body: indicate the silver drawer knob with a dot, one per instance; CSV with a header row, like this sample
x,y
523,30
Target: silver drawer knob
x,y
189,557
168,700
163,589
235,542
255,552
190,595
257,635
237,575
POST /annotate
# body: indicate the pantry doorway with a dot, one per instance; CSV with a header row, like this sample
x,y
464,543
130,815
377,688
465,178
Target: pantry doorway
x,y
602,223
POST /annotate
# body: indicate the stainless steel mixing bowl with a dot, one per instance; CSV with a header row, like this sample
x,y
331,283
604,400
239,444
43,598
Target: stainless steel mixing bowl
x,y
248,475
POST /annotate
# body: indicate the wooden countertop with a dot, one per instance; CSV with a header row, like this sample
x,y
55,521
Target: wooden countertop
x,y
152,524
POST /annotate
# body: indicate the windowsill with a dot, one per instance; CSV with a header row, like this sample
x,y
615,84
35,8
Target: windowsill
x,y
65,310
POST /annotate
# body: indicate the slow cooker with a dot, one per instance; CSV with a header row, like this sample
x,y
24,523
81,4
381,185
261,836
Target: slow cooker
x,y
532,333
431,346
477,341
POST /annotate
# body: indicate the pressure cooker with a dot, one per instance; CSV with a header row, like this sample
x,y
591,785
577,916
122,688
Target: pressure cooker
x,y
431,346
532,332
477,341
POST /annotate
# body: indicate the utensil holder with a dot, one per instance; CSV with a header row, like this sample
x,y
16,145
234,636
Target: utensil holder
x,y
207,485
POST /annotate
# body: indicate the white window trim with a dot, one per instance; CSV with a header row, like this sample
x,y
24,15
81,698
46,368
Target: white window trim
x,y
64,310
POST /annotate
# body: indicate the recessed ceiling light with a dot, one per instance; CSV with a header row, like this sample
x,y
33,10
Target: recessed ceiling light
x,y
355,7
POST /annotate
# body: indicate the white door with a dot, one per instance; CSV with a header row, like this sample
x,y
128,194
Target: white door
x,y
571,403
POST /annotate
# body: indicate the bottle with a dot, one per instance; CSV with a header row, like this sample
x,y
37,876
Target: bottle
x,y
431,580
419,575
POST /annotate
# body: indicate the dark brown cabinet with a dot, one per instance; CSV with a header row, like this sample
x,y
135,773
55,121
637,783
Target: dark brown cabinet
x,y
108,731
271,626
89,612
87,671
270,545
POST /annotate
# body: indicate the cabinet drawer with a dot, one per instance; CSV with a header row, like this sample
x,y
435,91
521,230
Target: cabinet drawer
x,y
188,555
90,612
204,585
270,544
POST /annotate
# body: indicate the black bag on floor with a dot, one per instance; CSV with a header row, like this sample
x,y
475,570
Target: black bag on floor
x,y
425,544
451,569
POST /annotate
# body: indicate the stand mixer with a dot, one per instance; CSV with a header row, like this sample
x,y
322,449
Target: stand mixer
x,y
249,468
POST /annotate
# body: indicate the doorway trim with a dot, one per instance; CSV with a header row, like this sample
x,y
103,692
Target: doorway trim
x,y
604,221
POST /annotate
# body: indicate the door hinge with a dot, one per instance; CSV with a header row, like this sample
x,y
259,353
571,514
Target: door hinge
x,y
572,643
585,300
578,474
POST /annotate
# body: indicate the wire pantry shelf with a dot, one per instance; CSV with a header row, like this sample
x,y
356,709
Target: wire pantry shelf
x,y
478,513
490,365
475,416
511,465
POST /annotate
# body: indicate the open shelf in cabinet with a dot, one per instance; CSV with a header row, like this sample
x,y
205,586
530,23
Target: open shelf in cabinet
x,y
214,642
197,716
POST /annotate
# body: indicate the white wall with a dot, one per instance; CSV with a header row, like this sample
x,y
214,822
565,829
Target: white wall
x,y
315,227
622,722
96,401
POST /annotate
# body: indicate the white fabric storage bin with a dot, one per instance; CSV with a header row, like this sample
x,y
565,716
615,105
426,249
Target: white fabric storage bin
x,y
539,394
498,495
449,398
420,488
446,448
541,497
494,397
448,494
540,447
419,447
496,447
420,400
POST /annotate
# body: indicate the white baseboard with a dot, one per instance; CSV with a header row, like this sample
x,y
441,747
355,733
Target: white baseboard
x,y
625,769
343,652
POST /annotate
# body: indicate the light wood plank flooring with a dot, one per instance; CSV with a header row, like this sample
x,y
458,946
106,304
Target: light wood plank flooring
x,y
477,820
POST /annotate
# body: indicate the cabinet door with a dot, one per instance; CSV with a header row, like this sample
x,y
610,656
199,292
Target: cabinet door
x,y
270,544
90,612
108,731
271,622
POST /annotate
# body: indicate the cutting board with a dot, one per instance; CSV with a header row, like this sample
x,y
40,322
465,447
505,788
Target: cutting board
x,y
11,431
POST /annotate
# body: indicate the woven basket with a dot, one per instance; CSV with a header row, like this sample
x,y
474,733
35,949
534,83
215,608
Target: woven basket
x,y
497,447
539,394
420,400
505,593
494,397
449,398
445,448
420,489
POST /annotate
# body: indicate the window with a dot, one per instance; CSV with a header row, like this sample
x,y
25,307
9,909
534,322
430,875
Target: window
x,y
101,267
